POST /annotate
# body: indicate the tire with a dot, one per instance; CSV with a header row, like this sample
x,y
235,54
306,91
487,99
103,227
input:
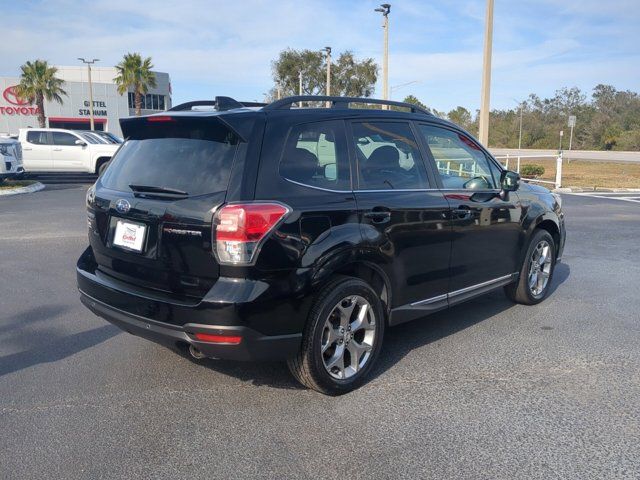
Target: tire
x,y
103,166
335,328
521,291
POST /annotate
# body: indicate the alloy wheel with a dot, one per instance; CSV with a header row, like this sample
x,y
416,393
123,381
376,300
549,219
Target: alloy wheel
x,y
348,337
540,268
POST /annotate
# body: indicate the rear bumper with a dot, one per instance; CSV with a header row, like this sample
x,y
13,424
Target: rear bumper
x,y
253,345
232,310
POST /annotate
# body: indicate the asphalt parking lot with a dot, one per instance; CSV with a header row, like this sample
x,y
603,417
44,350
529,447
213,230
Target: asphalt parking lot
x,y
485,390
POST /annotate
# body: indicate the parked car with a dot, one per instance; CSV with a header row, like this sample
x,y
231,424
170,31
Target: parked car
x,y
10,158
302,234
59,150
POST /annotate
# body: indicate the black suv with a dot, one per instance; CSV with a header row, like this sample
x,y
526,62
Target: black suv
x,y
277,232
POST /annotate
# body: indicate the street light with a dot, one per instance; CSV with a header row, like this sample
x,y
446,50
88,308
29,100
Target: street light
x,y
89,63
385,9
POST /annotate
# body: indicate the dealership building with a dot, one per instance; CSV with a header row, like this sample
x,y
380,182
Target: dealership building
x,y
74,113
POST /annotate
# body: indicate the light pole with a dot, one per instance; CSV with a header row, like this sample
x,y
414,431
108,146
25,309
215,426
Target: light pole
x,y
385,9
89,63
483,130
300,82
520,105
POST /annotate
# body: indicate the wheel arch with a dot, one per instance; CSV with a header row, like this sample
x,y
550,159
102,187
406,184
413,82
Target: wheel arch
x,y
100,160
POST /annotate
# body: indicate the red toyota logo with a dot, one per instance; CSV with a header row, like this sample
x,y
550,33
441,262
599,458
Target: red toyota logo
x,y
12,97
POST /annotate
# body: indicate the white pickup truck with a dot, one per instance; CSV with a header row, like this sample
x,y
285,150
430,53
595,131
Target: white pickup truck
x,y
58,150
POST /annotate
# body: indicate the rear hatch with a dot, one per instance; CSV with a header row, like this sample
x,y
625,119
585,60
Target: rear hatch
x,y
150,219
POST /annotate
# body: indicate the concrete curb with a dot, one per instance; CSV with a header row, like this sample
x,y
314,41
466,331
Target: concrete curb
x,y
18,190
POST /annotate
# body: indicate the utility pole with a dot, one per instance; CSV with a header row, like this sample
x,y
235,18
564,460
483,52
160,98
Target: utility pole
x,y
89,63
385,9
486,76
300,82
327,50
520,135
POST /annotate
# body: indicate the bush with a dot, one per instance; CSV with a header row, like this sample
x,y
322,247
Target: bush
x,y
532,170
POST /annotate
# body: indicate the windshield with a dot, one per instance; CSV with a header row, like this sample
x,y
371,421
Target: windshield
x,y
89,138
188,156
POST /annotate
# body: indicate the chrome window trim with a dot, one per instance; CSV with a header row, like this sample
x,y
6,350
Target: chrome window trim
x,y
314,187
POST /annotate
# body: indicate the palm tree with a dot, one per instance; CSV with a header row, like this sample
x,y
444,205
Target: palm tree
x,y
134,72
38,82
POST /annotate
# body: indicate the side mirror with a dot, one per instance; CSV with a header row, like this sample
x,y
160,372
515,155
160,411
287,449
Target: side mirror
x,y
81,143
509,181
330,171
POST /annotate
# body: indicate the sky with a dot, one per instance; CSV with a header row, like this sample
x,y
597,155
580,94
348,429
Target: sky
x,y
214,48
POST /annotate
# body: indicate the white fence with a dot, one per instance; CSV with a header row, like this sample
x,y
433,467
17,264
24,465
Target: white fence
x,y
506,159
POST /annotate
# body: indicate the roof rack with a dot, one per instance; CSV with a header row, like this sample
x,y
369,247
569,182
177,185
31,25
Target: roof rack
x,y
341,102
220,103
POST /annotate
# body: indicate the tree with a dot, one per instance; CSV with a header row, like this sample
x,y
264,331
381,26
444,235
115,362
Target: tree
x,y
135,73
349,76
461,116
38,82
414,101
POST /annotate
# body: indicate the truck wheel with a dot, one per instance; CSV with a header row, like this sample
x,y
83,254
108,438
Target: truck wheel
x,y
342,338
103,166
537,271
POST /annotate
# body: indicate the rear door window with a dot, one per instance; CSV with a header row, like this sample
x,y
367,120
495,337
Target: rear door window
x,y
388,157
316,155
185,154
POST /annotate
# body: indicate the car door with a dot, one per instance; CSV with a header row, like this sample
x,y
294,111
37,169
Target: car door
x,y
404,218
36,151
67,156
486,225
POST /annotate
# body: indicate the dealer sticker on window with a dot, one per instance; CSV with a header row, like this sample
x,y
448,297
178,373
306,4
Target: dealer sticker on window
x,y
129,235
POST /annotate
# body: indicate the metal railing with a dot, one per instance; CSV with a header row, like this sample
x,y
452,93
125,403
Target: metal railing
x,y
558,177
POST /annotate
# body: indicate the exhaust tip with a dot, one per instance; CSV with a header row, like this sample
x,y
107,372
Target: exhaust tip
x,y
195,353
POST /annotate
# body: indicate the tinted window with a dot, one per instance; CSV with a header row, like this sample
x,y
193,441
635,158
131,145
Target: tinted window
x,y
388,157
61,138
194,156
461,163
315,154
37,138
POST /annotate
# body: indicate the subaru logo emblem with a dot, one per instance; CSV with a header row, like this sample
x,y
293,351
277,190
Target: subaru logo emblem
x,y
123,206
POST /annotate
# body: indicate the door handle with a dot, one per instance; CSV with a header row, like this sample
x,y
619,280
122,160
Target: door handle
x,y
462,213
377,215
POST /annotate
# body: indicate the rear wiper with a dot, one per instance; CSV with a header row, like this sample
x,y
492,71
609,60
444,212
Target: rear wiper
x,y
160,190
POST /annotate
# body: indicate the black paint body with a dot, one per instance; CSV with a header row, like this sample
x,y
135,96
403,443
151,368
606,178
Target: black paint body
x,y
415,247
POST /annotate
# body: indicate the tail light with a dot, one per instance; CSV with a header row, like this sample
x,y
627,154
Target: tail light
x,y
240,230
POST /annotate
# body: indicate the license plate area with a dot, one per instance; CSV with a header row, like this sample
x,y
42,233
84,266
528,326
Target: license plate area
x,y
129,236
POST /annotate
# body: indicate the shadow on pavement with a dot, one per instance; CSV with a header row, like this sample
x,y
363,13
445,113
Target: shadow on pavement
x,y
52,347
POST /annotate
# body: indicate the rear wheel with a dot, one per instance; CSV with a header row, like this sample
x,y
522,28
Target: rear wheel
x,y
537,271
342,338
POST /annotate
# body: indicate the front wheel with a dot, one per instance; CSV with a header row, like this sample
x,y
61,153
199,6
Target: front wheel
x,y
537,271
342,338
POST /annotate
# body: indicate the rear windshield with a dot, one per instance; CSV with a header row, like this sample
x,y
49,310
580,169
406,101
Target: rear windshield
x,y
189,155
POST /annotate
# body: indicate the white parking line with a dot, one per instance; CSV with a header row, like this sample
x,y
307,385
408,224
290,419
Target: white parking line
x,y
608,196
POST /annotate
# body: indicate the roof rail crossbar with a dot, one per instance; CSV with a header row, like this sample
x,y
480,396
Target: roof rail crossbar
x,y
341,102
220,103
